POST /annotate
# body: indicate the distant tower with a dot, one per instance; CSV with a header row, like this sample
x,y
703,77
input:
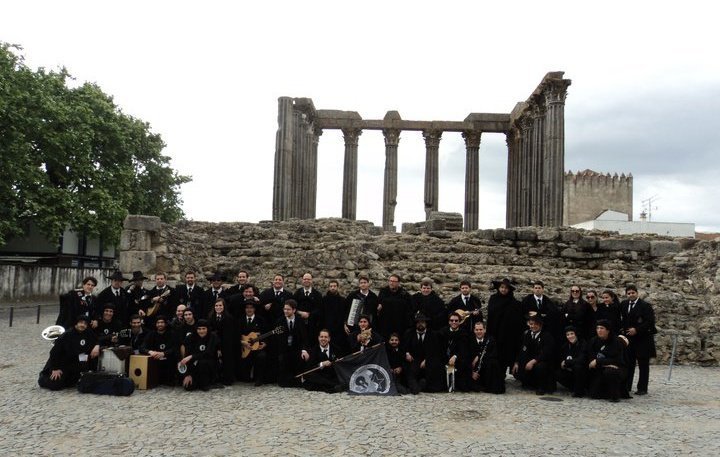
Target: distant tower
x,y
589,193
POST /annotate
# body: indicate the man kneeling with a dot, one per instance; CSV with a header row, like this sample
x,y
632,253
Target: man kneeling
x,y
201,358
69,356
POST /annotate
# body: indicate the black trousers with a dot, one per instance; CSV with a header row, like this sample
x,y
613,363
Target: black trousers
x,y
607,382
67,379
203,374
540,377
575,379
643,364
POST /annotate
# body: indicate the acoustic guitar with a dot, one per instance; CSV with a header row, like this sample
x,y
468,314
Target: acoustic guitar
x,y
253,339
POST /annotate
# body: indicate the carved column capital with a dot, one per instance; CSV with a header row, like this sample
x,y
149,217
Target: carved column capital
x,y
392,137
432,138
472,138
351,136
556,92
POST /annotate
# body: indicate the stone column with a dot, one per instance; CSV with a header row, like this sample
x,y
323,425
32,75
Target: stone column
x,y
554,142
537,199
392,139
472,180
510,191
312,214
432,176
349,198
297,165
282,176
525,170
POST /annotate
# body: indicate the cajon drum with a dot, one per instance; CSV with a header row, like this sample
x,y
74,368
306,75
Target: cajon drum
x,y
143,371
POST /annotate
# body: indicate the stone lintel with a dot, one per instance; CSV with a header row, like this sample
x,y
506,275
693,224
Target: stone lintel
x,y
499,124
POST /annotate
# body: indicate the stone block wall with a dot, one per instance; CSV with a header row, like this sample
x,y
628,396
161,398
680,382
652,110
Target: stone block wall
x,y
588,193
679,276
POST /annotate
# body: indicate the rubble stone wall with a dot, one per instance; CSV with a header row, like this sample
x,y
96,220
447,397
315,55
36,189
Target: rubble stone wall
x,y
680,277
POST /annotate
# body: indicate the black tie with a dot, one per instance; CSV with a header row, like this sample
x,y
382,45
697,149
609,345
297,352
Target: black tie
x,y
277,293
215,295
467,301
249,321
420,337
290,325
325,352
539,303
307,293
117,293
632,304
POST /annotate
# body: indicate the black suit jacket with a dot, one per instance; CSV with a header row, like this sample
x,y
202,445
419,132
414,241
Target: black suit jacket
x,y
642,318
192,300
540,349
294,340
276,304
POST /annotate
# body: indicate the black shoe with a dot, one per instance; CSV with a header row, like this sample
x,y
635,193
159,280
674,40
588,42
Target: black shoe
x,y
258,383
641,392
540,392
578,394
614,400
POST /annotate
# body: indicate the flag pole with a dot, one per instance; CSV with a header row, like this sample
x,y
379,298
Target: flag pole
x,y
337,360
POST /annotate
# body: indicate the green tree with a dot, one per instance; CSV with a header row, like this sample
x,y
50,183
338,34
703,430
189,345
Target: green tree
x,y
71,158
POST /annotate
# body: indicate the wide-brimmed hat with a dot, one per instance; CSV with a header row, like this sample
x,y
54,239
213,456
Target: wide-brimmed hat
x,y
215,277
419,316
138,276
117,275
506,281
535,318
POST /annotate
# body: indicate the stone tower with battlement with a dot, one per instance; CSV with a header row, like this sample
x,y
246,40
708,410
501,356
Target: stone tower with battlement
x,y
589,193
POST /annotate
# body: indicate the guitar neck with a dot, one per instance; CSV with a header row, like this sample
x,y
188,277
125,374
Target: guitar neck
x,y
267,334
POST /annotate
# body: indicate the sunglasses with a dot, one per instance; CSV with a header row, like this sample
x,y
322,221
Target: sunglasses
x,y
575,291
589,296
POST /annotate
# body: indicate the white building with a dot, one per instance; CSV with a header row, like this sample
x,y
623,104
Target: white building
x,y
615,221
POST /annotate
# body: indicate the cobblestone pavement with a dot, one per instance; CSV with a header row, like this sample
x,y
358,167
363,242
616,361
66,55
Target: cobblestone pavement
x,y
681,417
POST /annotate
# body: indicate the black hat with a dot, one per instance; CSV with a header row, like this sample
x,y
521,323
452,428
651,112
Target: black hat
x,y
506,281
108,305
82,317
215,277
202,323
535,318
419,316
570,328
603,323
116,275
161,317
138,276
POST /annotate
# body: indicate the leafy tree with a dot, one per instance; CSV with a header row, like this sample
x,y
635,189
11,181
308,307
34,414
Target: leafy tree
x,y
72,158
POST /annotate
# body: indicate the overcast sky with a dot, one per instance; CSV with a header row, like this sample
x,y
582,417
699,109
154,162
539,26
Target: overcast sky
x,y
644,99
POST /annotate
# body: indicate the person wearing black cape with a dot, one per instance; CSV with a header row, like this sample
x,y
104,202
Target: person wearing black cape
x,y
486,373
226,328
505,322
424,356
70,355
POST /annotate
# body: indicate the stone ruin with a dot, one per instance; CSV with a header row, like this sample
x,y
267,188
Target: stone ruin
x,y
679,276
535,136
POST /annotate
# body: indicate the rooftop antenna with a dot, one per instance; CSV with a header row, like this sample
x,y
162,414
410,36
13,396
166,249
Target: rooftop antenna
x,y
648,207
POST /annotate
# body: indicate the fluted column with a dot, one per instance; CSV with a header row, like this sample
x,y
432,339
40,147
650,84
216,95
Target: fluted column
x,y
349,198
282,176
511,193
538,196
312,210
525,169
432,175
554,141
392,139
472,180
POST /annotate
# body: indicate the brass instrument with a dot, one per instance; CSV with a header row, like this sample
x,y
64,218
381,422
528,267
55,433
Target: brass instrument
x,y
156,306
52,333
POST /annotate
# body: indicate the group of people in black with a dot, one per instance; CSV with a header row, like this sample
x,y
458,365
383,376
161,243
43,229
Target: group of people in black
x,y
205,338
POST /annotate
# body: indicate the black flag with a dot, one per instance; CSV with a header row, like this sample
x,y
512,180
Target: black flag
x,y
367,372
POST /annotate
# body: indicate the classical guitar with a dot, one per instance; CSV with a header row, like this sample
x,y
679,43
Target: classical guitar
x,y
253,339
